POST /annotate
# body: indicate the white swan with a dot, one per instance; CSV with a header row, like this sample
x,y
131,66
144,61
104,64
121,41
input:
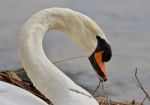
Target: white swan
x,y
46,77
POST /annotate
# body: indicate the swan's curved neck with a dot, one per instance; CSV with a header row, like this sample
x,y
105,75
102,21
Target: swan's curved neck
x,y
44,75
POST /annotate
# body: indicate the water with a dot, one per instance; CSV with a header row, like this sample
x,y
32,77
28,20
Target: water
x,y
125,23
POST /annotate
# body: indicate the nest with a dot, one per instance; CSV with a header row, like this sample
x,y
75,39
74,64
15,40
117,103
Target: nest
x,y
19,78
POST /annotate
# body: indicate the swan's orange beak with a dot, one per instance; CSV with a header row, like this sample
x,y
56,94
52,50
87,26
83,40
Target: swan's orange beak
x,y
98,65
102,53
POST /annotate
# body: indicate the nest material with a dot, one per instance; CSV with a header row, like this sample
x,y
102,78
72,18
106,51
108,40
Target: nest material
x,y
19,78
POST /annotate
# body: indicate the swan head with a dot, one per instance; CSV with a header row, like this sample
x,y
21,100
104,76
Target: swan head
x,y
94,43
96,46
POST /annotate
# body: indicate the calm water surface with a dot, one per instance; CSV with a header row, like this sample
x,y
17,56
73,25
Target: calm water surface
x,y
125,23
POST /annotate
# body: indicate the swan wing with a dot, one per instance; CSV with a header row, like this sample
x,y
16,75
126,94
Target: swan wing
x,y
13,95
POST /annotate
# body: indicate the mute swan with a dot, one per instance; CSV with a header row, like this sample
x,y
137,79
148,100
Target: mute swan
x,y
46,77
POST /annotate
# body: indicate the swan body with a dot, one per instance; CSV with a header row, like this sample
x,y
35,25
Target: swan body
x,y
13,95
46,77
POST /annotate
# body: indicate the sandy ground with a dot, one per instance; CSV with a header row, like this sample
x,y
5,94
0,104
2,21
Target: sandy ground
x,y
125,23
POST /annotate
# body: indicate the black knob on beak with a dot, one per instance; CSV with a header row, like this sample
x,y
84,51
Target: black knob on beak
x,y
104,46
107,53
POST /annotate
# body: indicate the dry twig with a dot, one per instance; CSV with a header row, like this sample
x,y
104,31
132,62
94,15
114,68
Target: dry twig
x,y
142,88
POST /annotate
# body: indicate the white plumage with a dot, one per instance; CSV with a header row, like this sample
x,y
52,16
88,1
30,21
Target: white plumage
x,y
46,77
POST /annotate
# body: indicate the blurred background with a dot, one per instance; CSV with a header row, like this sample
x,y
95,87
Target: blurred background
x,y
125,23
